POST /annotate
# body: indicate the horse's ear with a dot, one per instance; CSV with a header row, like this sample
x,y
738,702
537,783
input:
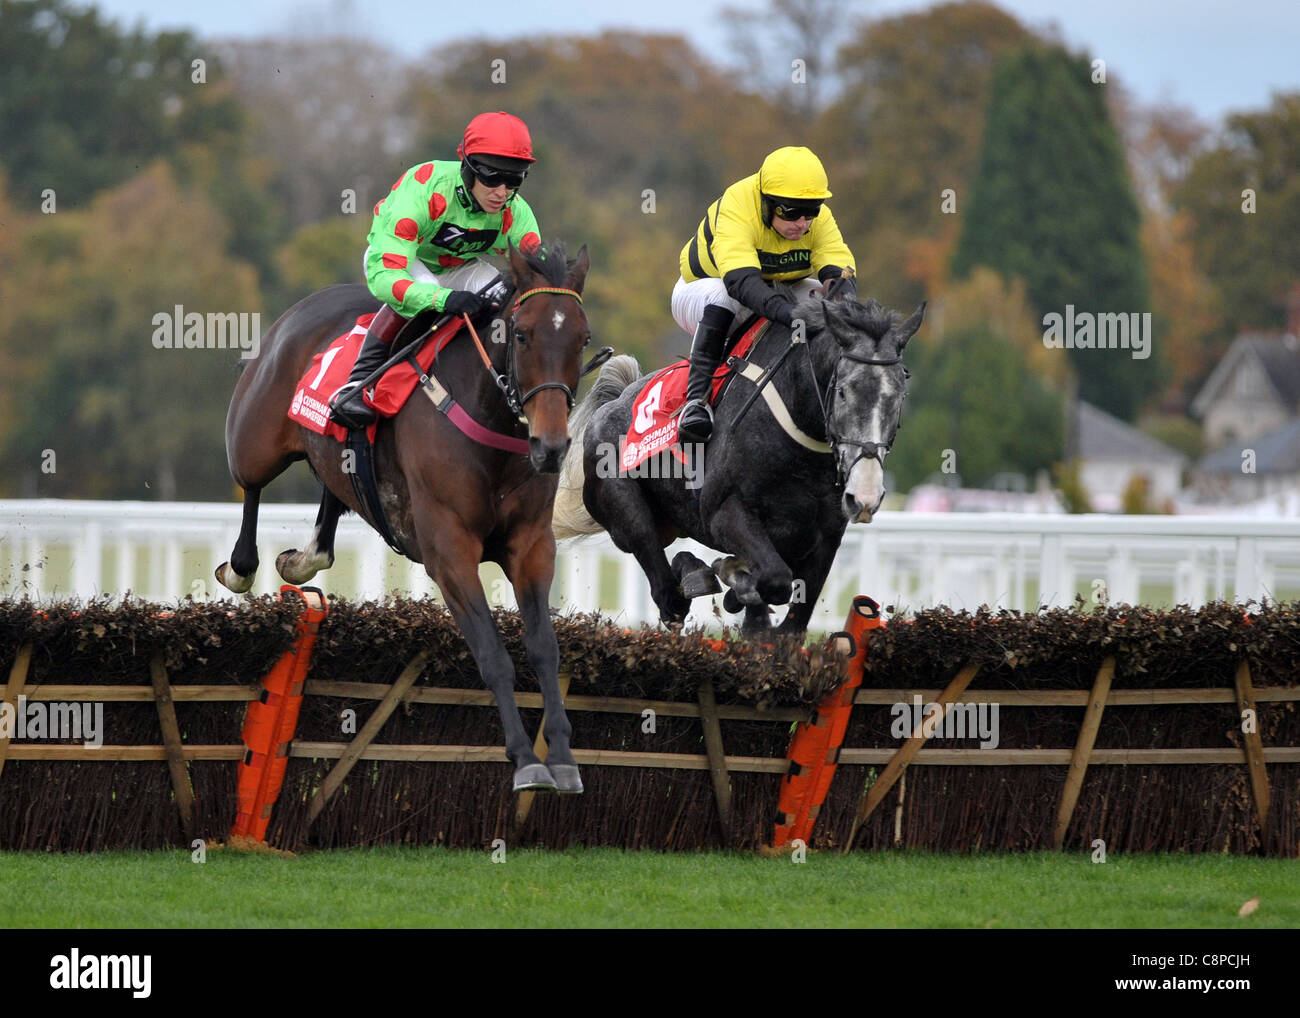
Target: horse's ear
x,y
908,329
578,270
519,267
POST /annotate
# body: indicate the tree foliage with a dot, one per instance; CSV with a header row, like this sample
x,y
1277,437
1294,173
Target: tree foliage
x,y
247,184
973,395
122,418
1251,256
1052,204
905,127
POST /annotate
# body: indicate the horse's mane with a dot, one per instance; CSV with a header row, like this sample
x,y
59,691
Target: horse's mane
x,y
847,316
550,265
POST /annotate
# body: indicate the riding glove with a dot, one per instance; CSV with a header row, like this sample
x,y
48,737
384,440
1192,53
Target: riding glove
x,y
463,302
747,286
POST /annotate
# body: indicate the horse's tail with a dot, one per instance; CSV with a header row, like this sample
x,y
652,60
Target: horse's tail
x,y
570,518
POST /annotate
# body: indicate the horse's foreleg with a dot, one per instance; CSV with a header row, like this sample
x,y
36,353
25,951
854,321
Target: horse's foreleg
x,y
453,565
296,566
740,532
808,587
531,572
238,573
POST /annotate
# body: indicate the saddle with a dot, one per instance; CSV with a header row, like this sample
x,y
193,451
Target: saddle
x,y
656,411
329,371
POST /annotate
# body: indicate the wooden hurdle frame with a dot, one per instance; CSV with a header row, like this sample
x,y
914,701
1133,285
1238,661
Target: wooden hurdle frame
x,y
807,769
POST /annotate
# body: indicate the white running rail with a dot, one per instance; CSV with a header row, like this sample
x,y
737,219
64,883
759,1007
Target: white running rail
x,y
51,549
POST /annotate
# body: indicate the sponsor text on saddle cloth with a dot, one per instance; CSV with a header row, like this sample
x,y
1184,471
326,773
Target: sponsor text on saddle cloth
x,y
655,412
329,371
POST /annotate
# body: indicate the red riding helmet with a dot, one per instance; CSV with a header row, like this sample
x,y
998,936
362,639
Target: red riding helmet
x,y
496,147
497,134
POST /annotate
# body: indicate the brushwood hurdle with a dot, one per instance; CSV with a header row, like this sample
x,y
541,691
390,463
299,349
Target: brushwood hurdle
x,y
296,722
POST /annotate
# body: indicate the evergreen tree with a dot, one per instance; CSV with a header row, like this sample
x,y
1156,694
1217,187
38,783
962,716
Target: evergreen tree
x,y
1052,203
975,407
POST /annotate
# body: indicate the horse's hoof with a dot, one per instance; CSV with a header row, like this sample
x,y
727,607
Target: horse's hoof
x,y
694,575
700,582
534,778
567,779
232,581
281,563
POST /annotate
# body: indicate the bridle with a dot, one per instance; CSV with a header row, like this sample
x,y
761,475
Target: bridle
x,y
874,450
508,382
516,401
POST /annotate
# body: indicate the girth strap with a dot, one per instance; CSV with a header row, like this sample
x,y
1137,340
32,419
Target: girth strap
x,y
778,408
365,486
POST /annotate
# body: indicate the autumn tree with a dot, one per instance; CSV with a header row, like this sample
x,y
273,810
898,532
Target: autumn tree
x,y
1243,196
106,412
905,129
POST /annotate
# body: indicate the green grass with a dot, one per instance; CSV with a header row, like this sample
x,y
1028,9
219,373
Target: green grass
x,y
610,888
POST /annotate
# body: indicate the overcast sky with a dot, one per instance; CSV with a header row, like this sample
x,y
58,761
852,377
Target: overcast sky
x,y
1213,56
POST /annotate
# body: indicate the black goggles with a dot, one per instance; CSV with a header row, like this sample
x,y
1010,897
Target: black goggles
x,y
490,176
806,210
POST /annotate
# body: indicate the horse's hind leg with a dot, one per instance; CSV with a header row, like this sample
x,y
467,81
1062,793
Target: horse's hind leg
x,y
238,573
617,504
296,566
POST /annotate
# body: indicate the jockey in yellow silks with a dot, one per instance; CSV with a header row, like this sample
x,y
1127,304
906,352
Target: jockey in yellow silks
x,y
771,227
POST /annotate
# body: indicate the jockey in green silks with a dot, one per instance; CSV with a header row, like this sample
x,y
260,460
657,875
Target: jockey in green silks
x,y
428,234
773,226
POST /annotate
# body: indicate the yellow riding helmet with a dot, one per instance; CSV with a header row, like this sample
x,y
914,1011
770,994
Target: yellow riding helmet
x,y
793,172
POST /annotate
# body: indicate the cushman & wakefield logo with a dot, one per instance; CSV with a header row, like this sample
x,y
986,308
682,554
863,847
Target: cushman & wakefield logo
x,y
75,971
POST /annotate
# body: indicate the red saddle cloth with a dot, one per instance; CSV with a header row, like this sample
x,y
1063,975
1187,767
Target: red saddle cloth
x,y
654,413
329,371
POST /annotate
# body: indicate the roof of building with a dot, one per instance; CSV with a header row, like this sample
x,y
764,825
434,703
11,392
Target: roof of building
x,y
1277,452
1279,355
1103,437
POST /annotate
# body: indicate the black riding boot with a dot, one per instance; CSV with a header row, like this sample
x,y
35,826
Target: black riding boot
x,y
348,407
696,424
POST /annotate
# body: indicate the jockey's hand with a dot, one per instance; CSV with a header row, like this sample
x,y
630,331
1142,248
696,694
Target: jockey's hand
x,y
747,286
463,302
835,284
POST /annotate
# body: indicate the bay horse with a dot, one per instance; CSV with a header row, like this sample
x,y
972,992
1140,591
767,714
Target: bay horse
x,y
451,502
775,501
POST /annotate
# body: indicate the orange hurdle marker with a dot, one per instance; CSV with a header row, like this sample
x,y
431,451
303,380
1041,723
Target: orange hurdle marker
x,y
270,723
815,748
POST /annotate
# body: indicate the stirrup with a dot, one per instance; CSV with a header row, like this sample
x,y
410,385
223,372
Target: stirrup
x,y
702,429
349,408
